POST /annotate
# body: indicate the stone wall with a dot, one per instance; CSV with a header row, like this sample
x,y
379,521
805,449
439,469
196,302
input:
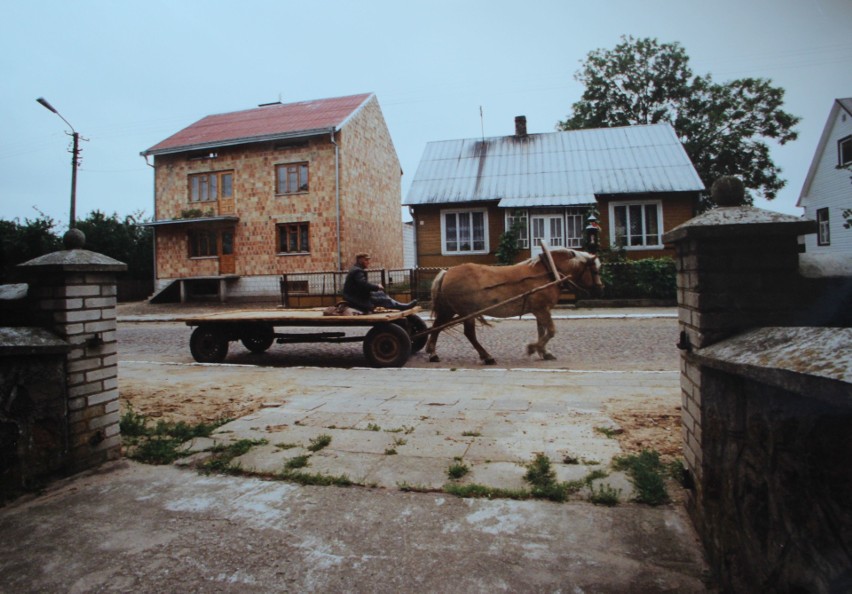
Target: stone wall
x,y
766,403
33,408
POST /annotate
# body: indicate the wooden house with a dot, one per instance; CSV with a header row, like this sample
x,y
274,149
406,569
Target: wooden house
x,y
467,193
827,191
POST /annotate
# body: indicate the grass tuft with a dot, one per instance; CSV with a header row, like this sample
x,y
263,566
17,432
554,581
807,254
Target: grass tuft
x,y
457,470
648,476
319,442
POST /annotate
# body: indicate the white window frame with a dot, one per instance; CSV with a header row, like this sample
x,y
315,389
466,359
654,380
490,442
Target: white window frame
x,y
575,217
457,211
823,226
844,148
627,204
508,221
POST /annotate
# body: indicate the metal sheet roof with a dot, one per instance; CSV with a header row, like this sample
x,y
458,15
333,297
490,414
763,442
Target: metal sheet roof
x,y
554,169
269,122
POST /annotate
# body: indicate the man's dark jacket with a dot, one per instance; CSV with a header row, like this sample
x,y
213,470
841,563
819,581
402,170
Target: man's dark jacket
x,y
357,289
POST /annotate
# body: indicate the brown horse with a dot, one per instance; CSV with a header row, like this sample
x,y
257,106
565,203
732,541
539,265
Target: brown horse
x,y
468,288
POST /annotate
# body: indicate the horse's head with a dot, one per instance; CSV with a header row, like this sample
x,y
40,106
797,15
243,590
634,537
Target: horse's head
x,y
582,268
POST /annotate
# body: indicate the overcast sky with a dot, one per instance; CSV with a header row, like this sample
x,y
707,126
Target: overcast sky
x,y
128,74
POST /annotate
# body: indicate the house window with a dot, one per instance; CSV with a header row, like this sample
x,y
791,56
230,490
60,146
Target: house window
x,y
844,151
203,243
291,178
823,228
520,218
209,187
464,232
574,229
636,225
293,238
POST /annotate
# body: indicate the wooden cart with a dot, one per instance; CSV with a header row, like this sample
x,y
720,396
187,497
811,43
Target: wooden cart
x,y
391,338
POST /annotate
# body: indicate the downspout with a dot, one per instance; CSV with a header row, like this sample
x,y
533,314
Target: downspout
x,y
154,229
337,195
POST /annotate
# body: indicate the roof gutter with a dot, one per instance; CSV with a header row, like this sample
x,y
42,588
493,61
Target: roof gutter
x,y
234,142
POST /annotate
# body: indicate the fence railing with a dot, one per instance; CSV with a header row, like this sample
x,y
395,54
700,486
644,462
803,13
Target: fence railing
x,y
310,289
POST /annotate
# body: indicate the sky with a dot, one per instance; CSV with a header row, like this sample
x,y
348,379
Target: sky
x,y
127,74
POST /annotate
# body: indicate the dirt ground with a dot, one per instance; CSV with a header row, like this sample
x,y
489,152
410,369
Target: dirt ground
x,y
650,424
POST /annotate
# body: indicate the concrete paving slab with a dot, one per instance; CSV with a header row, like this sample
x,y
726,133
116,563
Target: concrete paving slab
x,y
131,527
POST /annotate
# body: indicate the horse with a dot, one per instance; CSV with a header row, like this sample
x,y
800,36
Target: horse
x,y
468,288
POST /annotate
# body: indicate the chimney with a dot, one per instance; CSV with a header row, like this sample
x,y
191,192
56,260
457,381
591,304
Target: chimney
x,y
521,126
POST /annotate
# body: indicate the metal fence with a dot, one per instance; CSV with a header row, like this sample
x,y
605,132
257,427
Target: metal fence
x,y
325,288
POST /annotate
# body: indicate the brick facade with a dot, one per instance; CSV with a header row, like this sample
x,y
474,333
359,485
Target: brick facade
x,y
363,160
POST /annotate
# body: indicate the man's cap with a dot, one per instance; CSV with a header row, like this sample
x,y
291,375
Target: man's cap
x,y
362,255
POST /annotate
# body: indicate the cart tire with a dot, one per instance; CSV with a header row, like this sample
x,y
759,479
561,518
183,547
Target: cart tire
x,y
387,345
258,337
415,325
208,344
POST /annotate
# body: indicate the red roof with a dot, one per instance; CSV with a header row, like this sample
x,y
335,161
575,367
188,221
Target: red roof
x,y
269,122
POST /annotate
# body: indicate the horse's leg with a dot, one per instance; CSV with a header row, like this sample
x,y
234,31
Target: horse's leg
x,y
546,331
470,332
432,341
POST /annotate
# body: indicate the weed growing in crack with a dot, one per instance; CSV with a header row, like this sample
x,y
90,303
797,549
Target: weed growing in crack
x,y
222,459
305,478
542,477
609,432
319,442
648,476
161,443
296,462
457,470
605,495
485,492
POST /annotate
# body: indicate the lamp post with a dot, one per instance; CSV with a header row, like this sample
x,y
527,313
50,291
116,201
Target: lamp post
x,y
593,235
75,158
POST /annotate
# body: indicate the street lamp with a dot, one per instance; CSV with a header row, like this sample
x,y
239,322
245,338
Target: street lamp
x,y
593,235
75,160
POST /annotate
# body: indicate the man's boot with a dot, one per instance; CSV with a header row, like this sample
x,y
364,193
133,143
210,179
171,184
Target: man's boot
x,y
403,306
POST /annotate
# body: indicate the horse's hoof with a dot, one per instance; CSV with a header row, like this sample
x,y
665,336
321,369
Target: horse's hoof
x,y
531,349
549,357
434,359
489,361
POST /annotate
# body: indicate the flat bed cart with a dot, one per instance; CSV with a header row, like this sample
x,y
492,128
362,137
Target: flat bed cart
x,y
390,340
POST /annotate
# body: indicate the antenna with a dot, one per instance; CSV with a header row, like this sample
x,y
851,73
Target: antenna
x,y
482,123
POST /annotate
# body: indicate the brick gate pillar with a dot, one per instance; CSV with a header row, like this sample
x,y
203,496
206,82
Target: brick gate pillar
x,y
73,294
737,268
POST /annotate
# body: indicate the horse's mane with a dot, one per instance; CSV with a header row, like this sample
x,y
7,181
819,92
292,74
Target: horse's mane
x,y
539,258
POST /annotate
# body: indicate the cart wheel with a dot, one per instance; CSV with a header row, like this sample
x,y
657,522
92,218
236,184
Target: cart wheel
x,y
415,325
258,337
208,344
387,345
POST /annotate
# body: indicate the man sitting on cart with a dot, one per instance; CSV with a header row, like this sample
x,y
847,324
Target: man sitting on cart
x,y
363,295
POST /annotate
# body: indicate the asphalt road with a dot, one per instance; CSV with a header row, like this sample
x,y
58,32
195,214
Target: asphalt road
x,y
627,344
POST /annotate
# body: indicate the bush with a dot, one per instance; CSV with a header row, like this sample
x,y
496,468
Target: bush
x,y
651,278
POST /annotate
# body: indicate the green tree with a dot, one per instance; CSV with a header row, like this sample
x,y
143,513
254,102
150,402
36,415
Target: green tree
x,y
23,242
723,126
125,240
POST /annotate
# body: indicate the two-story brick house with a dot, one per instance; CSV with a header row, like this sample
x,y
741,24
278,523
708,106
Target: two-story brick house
x,y
466,193
243,197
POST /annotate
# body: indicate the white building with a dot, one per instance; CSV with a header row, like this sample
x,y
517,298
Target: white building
x,y
827,191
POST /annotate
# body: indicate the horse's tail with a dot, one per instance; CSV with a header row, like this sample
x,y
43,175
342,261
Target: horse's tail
x,y
436,291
